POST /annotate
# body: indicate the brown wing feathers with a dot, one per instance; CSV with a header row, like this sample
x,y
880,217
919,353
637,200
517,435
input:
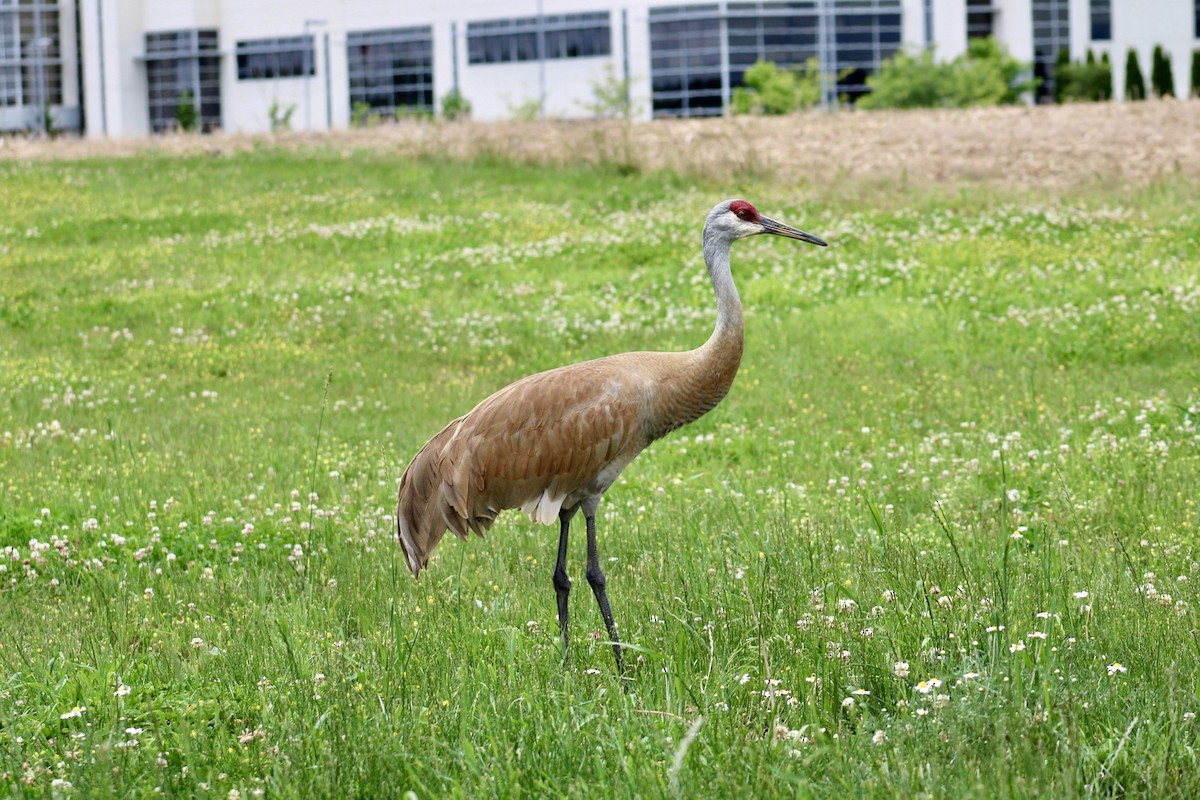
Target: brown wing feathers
x,y
530,445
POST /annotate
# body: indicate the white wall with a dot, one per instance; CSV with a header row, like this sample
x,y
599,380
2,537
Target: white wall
x,y
1014,27
1146,23
949,29
125,78
913,37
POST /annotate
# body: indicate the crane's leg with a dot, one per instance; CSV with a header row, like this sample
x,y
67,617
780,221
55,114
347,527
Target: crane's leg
x,y
562,584
596,580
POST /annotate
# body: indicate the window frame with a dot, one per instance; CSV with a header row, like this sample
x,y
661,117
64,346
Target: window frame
x,y
379,88
276,58
549,37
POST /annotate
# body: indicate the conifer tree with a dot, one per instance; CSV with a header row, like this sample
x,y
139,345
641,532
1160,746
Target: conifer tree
x,y
1135,84
1196,73
1161,79
1062,75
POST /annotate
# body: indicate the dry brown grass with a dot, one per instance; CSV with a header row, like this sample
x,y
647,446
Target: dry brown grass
x,y
1044,147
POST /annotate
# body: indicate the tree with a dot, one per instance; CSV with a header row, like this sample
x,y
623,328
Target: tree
x,y
1195,73
1106,89
766,89
1135,84
1160,74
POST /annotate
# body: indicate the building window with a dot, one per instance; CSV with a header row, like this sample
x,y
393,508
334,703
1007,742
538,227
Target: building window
x,y
183,66
391,69
1051,34
1101,12
981,19
685,61
688,44
31,63
287,57
561,36
862,40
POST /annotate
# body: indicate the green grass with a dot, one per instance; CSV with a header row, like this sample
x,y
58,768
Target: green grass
x,y
968,411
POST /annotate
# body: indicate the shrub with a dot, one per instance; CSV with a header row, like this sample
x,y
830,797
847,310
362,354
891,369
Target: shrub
x,y
528,110
280,116
360,115
612,97
1160,74
985,75
185,113
767,89
907,81
1135,84
1091,80
1062,70
1195,73
455,105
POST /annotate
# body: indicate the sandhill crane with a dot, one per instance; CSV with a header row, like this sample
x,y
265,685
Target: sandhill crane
x,y
553,443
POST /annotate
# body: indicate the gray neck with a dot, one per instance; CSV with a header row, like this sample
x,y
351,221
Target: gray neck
x,y
729,305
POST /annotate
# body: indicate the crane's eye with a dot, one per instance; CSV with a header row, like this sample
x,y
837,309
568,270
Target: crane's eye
x,y
743,213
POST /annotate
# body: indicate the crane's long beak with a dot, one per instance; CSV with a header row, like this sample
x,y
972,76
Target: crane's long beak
x,y
779,229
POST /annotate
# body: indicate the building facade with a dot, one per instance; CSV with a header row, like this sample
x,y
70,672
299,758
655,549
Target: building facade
x,y
136,67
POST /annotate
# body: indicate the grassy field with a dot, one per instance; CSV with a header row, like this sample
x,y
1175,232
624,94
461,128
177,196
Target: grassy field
x,y
940,540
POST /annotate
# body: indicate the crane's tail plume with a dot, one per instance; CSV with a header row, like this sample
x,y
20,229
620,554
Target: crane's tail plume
x,y
431,501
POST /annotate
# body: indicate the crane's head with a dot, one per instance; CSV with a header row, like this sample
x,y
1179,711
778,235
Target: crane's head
x,y
737,219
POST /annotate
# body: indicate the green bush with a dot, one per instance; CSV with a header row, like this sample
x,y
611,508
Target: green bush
x,y
186,116
612,97
985,75
455,105
1135,84
767,89
1161,78
360,115
1195,91
280,116
527,110
1091,80
1062,68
